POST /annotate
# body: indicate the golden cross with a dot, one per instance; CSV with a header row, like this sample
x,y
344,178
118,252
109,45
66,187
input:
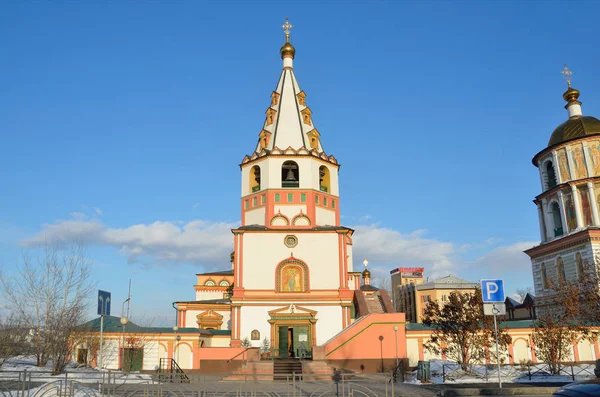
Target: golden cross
x,y
286,27
567,75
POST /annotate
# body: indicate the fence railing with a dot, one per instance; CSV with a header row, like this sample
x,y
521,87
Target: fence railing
x,y
570,371
118,384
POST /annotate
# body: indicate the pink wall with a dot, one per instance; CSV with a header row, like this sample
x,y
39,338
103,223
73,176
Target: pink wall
x,y
362,340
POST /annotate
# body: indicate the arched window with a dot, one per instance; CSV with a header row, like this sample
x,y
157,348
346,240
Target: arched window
x,y
562,274
209,283
255,335
324,181
580,267
544,276
224,283
254,179
292,276
558,226
550,175
290,174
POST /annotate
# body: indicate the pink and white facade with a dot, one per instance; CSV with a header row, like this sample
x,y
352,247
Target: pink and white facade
x,y
292,280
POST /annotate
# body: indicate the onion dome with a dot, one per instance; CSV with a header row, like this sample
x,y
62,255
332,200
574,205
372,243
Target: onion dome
x,y
287,51
577,126
366,273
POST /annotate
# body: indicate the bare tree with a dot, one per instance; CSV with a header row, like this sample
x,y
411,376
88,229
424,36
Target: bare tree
x,y
13,339
461,331
522,293
564,315
49,296
383,282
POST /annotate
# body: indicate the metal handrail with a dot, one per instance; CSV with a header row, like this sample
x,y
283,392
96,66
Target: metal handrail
x,y
242,352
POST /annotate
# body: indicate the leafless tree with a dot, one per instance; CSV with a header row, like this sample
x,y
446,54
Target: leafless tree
x,y
383,282
522,293
13,339
48,295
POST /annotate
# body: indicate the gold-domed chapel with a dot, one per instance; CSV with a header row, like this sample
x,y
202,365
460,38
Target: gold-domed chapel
x,y
569,202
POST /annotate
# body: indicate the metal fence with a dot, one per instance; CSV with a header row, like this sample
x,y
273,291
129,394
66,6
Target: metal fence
x,y
118,384
523,372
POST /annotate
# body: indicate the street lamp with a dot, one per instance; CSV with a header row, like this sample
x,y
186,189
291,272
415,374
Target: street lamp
x,y
124,321
381,343
396,337
175,329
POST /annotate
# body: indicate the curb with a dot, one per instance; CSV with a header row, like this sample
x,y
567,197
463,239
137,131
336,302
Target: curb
x,y
512,391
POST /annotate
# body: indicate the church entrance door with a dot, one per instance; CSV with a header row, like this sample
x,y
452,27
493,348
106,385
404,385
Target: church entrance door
x,y
294,341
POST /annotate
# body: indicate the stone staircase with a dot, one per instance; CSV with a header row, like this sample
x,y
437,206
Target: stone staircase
x,y
374,304
284,368
320,370
253,370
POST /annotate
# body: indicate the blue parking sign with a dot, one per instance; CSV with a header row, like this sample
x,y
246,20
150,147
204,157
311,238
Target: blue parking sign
x,y
492,290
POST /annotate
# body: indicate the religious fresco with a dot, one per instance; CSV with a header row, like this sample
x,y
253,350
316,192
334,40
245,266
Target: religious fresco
x,y
563,165
594,150
274,99
570,209
578,159
586,206
292,278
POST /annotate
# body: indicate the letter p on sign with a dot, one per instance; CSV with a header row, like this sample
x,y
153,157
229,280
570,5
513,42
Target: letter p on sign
x,y
492,290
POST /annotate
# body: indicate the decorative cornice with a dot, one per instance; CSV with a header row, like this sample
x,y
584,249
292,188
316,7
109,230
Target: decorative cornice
x,y
592,234
290,152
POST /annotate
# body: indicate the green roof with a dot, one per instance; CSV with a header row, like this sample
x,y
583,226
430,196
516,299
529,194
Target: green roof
x,y
505,324
113,324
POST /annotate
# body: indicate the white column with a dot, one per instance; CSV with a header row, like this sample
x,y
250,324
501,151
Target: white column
x,y
559,177
587,159
563,213
593,203
571,163
549,218
542,223
577,204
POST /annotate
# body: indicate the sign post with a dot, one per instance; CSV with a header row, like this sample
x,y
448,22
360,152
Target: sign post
x,y
492,291
103,310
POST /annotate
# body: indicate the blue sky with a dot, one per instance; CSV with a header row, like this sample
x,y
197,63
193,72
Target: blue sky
x,y
123,124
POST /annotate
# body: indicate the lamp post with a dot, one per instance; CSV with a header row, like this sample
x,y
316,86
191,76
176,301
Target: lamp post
x,y
396,337
124,321
381,343
175,329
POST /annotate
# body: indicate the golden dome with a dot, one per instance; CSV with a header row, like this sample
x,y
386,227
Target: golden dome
x,y
571,94
366,273
576,127
287,50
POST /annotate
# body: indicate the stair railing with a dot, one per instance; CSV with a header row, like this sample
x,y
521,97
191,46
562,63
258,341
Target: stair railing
x,y
242,353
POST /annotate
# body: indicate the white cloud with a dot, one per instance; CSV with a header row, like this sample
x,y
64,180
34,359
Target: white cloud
x,y
98,211
209,244
198,241
388,248
506,258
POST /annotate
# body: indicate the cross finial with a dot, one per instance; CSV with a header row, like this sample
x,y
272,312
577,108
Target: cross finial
x,y
567,75
286,28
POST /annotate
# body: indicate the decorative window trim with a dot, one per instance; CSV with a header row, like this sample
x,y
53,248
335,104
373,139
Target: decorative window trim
x,y
303,216
290,241
210,283
224,283
280,216
295,262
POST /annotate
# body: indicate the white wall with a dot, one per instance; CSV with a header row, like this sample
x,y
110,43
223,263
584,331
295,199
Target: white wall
x,y
255,216
325,216
208,295
320,252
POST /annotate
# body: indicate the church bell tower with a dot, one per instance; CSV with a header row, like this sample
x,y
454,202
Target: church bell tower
x,y
293,260
569,170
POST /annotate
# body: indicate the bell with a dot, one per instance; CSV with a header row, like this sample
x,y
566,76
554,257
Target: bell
x,y
290,175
